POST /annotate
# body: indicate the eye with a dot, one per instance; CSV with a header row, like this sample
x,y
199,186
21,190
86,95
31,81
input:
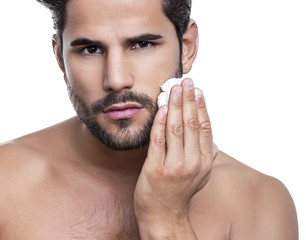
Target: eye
x,y
91,50
142,45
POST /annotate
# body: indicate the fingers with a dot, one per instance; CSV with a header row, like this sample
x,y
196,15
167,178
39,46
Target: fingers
x,y
190,119
205,132
174,129
157,151
182,132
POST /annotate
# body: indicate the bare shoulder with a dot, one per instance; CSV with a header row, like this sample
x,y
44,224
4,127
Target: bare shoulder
x,y
26,164
28,153
17,158
260,205
20,165
32,155
21,169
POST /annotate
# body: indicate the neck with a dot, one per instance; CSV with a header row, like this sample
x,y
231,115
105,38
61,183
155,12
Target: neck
x,y
93,153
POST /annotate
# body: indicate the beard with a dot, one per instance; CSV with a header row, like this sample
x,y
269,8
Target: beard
x,y
123,138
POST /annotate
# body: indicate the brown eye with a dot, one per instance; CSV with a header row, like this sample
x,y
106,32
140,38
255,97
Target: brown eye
x,y
142,45
91,50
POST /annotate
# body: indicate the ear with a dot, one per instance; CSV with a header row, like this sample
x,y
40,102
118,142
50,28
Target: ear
x,y
56,45
190,46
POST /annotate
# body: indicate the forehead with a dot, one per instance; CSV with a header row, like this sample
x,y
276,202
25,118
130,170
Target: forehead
x,y
116,17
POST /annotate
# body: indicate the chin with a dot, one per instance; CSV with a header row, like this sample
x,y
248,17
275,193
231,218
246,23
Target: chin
x,y
123,134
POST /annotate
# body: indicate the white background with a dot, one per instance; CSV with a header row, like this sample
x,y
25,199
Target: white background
x,y
251,66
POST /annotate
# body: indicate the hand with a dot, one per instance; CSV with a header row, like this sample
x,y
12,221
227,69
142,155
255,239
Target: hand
x,y
179,160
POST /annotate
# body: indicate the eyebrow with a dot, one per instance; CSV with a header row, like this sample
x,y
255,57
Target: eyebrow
x,y
84,41
140,38
143,38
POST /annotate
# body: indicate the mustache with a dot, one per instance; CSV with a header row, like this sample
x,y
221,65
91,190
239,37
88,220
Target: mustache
x,y
130,96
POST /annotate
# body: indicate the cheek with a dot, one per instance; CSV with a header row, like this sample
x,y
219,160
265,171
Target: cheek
x,y
85,77
154,70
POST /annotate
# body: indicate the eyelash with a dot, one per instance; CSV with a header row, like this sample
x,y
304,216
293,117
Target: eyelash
x,y
151,44
82,51
134,46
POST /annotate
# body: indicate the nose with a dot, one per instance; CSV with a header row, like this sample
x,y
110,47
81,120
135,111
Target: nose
x,y
117,75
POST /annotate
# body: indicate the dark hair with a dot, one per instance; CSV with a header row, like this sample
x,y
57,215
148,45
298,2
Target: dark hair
x,y
178,12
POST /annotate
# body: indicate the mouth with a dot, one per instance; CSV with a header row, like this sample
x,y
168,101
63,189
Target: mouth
x,y
123,110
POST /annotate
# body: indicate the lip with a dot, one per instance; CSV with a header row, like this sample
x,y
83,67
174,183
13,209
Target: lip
x,y
123,110
122,106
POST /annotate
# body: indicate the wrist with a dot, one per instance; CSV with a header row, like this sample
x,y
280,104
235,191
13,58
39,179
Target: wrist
x,y
160,213
164,229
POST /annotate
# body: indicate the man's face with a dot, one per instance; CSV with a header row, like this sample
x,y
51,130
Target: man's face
x,y
116,55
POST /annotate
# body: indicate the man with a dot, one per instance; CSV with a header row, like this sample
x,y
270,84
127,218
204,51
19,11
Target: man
x,y
124,169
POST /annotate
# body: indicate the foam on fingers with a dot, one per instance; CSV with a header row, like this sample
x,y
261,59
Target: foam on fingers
x,y
163,97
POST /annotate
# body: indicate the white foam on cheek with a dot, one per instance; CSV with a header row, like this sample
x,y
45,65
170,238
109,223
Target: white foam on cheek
x,y
163,97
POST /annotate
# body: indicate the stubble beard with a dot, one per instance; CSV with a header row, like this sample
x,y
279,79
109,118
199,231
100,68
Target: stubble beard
x,y
123,138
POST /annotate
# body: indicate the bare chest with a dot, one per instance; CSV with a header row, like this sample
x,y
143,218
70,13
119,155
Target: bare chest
x,y
109,219
72,218
89,212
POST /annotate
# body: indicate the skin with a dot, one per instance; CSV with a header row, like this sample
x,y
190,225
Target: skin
x,y
62,183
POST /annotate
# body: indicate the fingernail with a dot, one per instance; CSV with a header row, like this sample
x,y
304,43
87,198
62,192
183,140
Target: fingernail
x,y
198,93
189,84
165,110
178,91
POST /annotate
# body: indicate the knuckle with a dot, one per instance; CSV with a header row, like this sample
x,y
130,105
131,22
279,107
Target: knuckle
x,y
192,123
190,98
194,165
205,126
177,130
177,103
176,170
150,171
161,124
179,167
202,105
195,168
159,140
